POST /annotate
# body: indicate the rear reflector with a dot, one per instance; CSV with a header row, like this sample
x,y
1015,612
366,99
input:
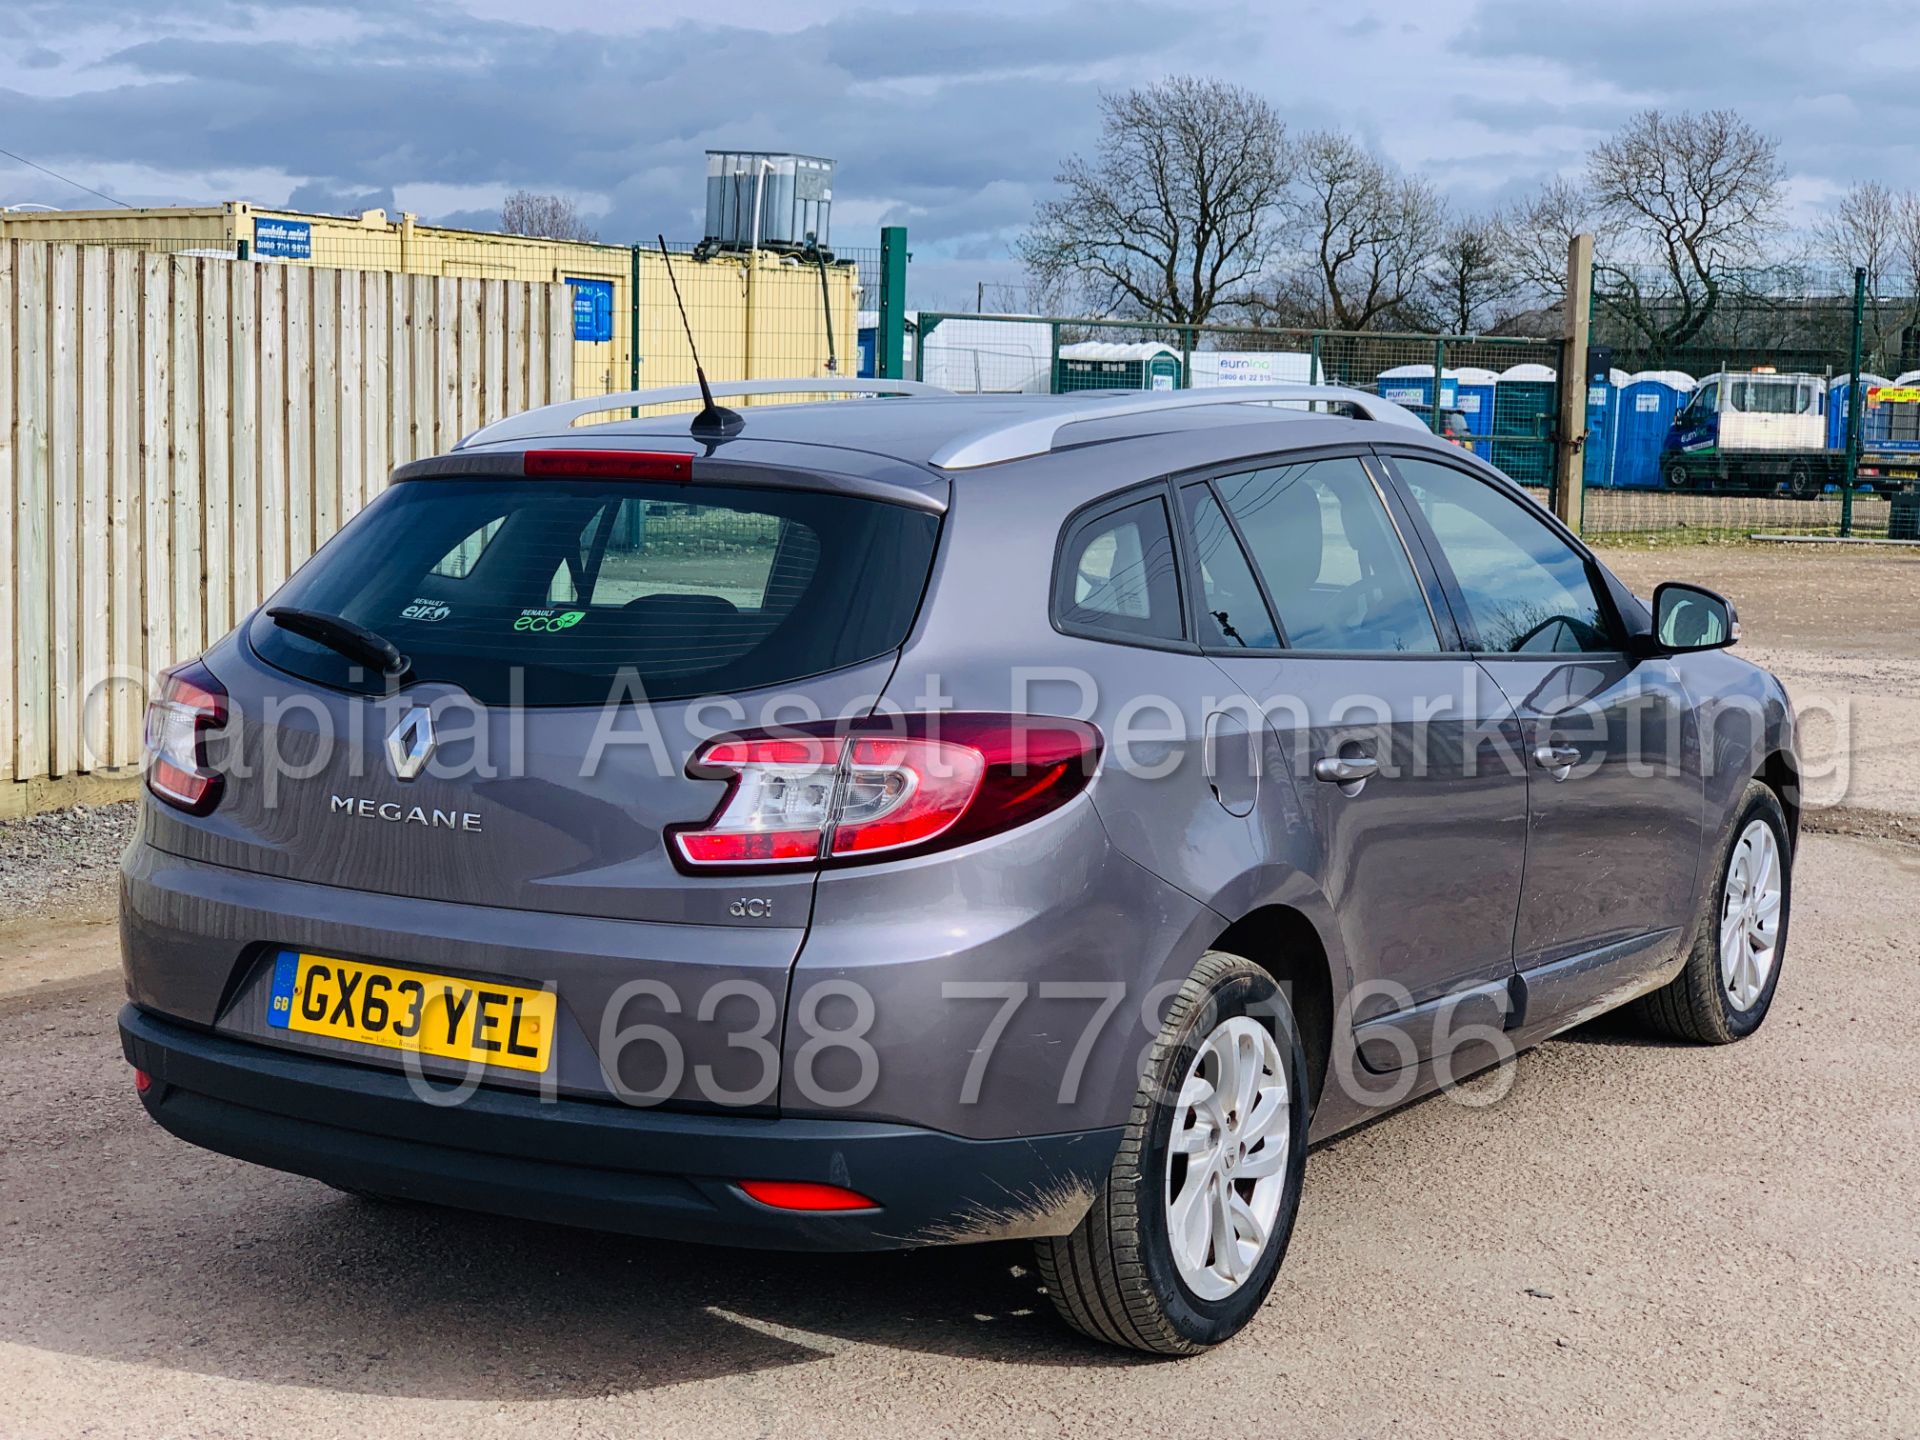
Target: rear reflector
x,y
608,465
142,1081
805,1195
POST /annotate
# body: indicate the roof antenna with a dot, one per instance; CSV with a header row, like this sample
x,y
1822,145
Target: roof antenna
x,y
713,421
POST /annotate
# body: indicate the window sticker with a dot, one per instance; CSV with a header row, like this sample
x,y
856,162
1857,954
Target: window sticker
x,y
548,621
425,612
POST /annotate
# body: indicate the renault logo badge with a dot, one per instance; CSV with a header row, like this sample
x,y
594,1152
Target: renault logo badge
x,y
410,744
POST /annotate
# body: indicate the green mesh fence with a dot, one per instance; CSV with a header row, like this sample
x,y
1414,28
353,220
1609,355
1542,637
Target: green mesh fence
x,y
1497,396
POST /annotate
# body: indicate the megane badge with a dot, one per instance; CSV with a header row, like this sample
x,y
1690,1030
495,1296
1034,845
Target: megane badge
x,y
410,745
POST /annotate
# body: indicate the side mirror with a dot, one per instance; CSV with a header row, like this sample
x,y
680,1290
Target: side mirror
x,y
1690,617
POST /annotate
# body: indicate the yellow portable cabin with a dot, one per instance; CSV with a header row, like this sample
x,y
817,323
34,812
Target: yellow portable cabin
x,y
755,314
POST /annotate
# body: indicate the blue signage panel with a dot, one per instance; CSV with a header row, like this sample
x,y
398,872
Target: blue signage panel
x,y
592,309
282,239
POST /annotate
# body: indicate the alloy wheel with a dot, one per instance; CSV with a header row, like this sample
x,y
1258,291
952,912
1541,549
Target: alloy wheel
x,y
1227,1158
1750,916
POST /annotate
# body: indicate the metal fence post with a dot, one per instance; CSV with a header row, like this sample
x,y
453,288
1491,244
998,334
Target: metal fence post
x,y
890,344
1053,357
1852,470
929,321
1439,364
633,326
1313,359
1186,359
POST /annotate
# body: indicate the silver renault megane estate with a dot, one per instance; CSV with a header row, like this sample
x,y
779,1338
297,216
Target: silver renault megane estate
x,y
909,819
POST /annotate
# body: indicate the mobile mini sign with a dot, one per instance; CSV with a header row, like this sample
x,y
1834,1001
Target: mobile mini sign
x,y
282,239
592,309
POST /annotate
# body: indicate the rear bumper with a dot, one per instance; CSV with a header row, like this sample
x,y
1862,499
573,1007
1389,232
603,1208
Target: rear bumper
x,y
606,1166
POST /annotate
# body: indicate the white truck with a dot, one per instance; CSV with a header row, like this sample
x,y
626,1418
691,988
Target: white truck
x,y
1753,430
1761,430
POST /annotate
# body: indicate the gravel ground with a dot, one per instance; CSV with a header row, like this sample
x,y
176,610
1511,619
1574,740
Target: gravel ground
x,y
1641,1239
62,858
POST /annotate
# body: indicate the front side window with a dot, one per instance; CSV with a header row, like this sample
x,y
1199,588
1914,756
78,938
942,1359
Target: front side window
x,y
1334,565
1527,591
1117,575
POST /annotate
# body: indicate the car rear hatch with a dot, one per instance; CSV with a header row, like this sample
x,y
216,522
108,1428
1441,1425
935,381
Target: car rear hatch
x,y
572,634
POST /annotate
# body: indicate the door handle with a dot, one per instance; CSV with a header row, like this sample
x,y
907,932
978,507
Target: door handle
x,y
1558,760
1349,772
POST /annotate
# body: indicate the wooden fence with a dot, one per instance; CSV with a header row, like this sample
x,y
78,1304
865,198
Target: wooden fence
x,y
177,434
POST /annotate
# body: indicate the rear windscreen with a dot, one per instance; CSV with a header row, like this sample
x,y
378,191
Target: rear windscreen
x,y
559,592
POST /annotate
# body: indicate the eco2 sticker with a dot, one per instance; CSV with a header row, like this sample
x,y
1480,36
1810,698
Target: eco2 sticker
x,y
547,621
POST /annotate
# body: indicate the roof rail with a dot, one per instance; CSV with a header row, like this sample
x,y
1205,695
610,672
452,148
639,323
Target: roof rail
x,y
548,419
1021,438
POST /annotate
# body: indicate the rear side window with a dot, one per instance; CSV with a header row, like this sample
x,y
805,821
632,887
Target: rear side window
x,y
1234,615
1116,575
572,589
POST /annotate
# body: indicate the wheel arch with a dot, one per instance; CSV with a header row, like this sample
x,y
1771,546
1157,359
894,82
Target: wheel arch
x,y
1780,773
1285,942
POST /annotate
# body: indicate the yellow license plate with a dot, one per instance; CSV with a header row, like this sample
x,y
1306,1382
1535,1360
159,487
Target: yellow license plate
x,y
468,1020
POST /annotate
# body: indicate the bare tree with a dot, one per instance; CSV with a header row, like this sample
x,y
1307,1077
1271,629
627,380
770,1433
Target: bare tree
x,y
552,217
1697,195
1535,233
1173,217
1363,232
1470,276
1878,230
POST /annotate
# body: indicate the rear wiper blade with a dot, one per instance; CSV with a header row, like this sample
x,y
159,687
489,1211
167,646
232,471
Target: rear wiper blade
x,y
343,636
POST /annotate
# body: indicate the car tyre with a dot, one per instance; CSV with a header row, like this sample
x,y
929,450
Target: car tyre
x,y
1722,995
1676,476
1118,1277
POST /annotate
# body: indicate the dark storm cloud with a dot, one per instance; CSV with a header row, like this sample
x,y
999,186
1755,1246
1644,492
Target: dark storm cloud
x,y
952,117
431,95
879,45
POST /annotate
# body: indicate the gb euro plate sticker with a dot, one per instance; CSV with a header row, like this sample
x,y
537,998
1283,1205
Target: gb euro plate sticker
x,y
286,969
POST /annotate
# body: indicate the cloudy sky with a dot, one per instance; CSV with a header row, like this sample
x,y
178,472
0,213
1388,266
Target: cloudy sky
x,y
949,118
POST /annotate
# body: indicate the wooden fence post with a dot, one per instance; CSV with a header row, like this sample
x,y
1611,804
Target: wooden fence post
x,y
1570,453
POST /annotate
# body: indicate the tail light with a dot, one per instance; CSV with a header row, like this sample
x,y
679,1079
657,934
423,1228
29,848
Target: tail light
x,y
882,789
190,703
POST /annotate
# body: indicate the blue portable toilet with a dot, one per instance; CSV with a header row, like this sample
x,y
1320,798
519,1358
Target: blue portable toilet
x,y
1473,397
1838,390
1523,402
1412,386
1647,404
1603,410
